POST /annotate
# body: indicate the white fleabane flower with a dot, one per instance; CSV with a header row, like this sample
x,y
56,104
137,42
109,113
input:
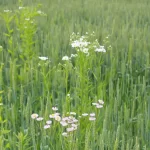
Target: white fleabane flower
x,y
34,116
49,122
63,123
99,106
100,49
101,101
54,115
92,118
54,108
85,114
85,50
39,119
57,118
47,126
94,104
79,44
92,115
74,55
43,58
75,44
70,129
72,113
65,58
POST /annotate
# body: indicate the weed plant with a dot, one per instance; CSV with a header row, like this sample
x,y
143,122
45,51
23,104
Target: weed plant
x,y
65,87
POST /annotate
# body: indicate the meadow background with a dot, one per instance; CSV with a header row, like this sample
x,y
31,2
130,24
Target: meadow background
x,y
120,77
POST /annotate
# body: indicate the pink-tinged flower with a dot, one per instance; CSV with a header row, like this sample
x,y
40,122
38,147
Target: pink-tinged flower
x,y
74,125
63,123
54,108
65,134
65,119
70,129
34,116
70,121
99,106
92,118
39,119
101,101
92,115
75,120
49,122
85,114
47,126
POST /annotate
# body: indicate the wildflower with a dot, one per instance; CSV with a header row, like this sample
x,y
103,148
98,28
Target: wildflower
x,y
74,55
63,123
65,119
47,126
101,102
39,119
94,104
75,120
65,58
54,108
65,134
74,125
57,118
49,122
75,44
34,116
99,106
70,129
92,118
92,114
85,50
43,58
54,115
85,114
100,49
72,113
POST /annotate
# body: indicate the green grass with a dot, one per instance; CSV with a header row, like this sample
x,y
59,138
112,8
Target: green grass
x,y
120,76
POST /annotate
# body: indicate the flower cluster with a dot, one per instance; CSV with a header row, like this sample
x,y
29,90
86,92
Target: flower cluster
x,y
83,43
69,122
99,104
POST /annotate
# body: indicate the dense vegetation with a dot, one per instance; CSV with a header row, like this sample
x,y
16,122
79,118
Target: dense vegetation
x,y
38,76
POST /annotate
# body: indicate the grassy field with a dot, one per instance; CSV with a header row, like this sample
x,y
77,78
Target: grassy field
x,y
33,88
